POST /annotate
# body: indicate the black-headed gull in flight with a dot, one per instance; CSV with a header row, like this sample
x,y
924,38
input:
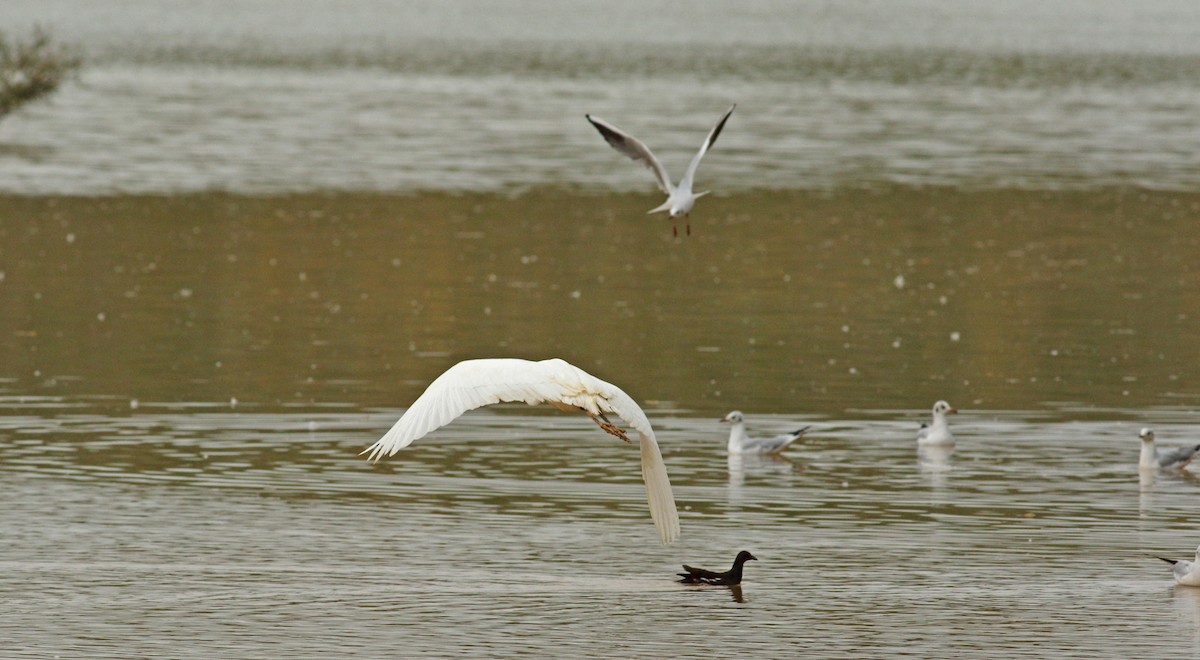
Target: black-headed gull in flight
x,y
1186,572
1153,458
741,443
474,383
937,433
680,199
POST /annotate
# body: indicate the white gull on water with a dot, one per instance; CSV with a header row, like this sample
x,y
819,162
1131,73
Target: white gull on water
x,y
680,199
741,443
1186,572
937,433
1153,458
474,383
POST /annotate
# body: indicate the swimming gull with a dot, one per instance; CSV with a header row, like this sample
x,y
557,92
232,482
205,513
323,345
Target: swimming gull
x,y
474,383
679,198
730,577
1152,458
741,443
937,433
1186,572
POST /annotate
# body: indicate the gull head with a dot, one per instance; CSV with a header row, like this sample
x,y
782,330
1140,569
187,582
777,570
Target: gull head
x,y
1147,435
943,408
734,417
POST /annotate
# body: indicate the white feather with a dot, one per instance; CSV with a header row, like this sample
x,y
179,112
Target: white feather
x,y
475,383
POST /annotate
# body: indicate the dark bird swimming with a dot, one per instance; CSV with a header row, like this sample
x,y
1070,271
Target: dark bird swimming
x,y
729,577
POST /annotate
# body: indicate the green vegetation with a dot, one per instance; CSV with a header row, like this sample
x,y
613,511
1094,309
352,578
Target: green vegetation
x,y
32,69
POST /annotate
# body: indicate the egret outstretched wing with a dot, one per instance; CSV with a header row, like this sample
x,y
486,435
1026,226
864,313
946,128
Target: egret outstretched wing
x,y
635,149
475,383
686,181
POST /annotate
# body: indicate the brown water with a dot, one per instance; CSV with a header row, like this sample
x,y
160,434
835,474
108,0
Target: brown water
x,y
186,381
915,200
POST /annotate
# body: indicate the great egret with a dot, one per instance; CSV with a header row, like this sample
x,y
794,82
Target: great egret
x,y
1152,458
680,199
730,577
474,383
937,433
741,443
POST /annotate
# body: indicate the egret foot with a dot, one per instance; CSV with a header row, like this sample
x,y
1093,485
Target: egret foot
x,y
609,427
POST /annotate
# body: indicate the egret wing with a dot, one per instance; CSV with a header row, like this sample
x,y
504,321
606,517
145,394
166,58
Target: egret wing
x,y
635,149
474,383
595,396
686,182
467,385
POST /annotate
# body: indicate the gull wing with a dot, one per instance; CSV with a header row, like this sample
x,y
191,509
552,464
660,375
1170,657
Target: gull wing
x,y
475,383
1177,457
775,444
686,181
635,149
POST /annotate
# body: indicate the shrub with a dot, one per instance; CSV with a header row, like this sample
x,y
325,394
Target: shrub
x,y
30,70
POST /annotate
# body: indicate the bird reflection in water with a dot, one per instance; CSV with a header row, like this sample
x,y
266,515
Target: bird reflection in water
x,y
759,465
934,461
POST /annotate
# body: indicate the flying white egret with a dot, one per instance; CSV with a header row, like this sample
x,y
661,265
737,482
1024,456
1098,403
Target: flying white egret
x,y
474,383
680,199
1153,458
937,433
741,443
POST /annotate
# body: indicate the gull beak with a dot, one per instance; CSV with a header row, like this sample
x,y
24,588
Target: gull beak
x,y
723,419
953,411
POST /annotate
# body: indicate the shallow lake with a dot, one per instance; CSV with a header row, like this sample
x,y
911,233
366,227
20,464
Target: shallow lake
x,y
188,381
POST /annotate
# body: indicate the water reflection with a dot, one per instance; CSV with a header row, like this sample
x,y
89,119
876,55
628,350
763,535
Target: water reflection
x,y
934,463
361,298
1187,607
758,466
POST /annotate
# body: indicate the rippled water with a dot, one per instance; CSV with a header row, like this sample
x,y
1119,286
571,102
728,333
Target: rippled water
x,y
191,531
916,200
186,382
490,96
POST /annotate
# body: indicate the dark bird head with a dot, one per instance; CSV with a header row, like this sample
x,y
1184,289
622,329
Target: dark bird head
x,y
743,556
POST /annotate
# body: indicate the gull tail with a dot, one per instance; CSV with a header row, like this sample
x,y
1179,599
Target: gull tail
x,y
666,206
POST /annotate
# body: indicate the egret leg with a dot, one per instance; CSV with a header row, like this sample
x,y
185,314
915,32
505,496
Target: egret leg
x,y
607,426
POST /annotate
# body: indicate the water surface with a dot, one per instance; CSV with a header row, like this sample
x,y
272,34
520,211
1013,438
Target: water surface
x,y
250,234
